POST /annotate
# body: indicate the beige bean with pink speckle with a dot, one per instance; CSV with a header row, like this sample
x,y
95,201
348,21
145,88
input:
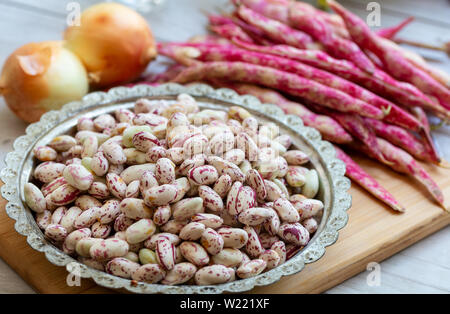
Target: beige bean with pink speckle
x,y
160,195
151,243
45,153
286,210
78,176
209,220
240,198
310,224
90,146
72,239
212,241
203,175
114,153
86,201
99,164
104,121
84,245
109,248
192,231
188,164
173,226
155,153
234,238
135,208
99,190
186,208
296,157
256,182
211,199
124,115
280,248
68,220
165,253
62,143
56,232
214,274
116,185
272,224
228,257
122,267
251,268
135,172
132,189
267,240
147,181
100,230
134,156
308,208
53,185
223,185
165,171
254,216
44,219
273,191
85,123
140,231
87,218
271,258
162,215
180,273
64,195
194,253
143,141
49,171
294,233
253,245
34,198
149,273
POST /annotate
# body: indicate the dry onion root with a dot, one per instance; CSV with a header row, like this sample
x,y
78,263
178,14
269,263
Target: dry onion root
x,y
114,42
39,77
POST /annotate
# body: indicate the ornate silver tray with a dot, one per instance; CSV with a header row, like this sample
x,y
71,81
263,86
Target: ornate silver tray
x,y
333,184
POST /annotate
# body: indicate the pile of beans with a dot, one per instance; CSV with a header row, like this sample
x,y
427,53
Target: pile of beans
x,y
172,194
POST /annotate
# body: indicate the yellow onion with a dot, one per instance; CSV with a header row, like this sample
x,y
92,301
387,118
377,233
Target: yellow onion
x,y
39,77
114,42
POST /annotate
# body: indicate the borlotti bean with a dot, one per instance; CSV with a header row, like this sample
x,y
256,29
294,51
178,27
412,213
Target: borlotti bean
x,y
171,194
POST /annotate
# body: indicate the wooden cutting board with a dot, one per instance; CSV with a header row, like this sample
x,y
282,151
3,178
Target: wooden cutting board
x,y
373,233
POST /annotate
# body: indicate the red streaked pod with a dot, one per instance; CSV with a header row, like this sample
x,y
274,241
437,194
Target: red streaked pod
x,y
161,195
194,253
211,200
49,171
44,219
294,233
234,238
181,273
254,216
212,241
116,185
149,273
251,268
272,225
165,171
135,208
165,253
122,267
162,215
256,182
271,258
56,232
253,245
99,190
99,164
64,195
72,239
151,243
296,157
143,141
223,185
213,275
100,231
209,220
109,211
203,175
133,189
240,198
48,188
280,248
122,222
267,240
192,231
286,210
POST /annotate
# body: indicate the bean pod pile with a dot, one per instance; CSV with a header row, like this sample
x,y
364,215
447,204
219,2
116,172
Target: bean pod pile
x,y
173,194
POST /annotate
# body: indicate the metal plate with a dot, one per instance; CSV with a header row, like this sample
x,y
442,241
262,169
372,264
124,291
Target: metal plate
x,y
333,185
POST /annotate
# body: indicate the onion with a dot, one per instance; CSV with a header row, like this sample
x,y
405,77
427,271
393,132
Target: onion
x,y
114,42
39,77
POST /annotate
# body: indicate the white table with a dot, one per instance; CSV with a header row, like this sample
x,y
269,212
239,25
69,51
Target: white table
x,y
422,268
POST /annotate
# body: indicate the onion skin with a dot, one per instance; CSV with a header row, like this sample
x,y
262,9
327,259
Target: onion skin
x,y
39,77
114,43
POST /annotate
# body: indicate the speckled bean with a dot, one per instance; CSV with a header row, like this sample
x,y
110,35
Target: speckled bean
x,y
109,248
194,253
49,171
180,273
56,232
140,231
165,253
122,267
251,268
294,233
223,185
149,273
34,198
